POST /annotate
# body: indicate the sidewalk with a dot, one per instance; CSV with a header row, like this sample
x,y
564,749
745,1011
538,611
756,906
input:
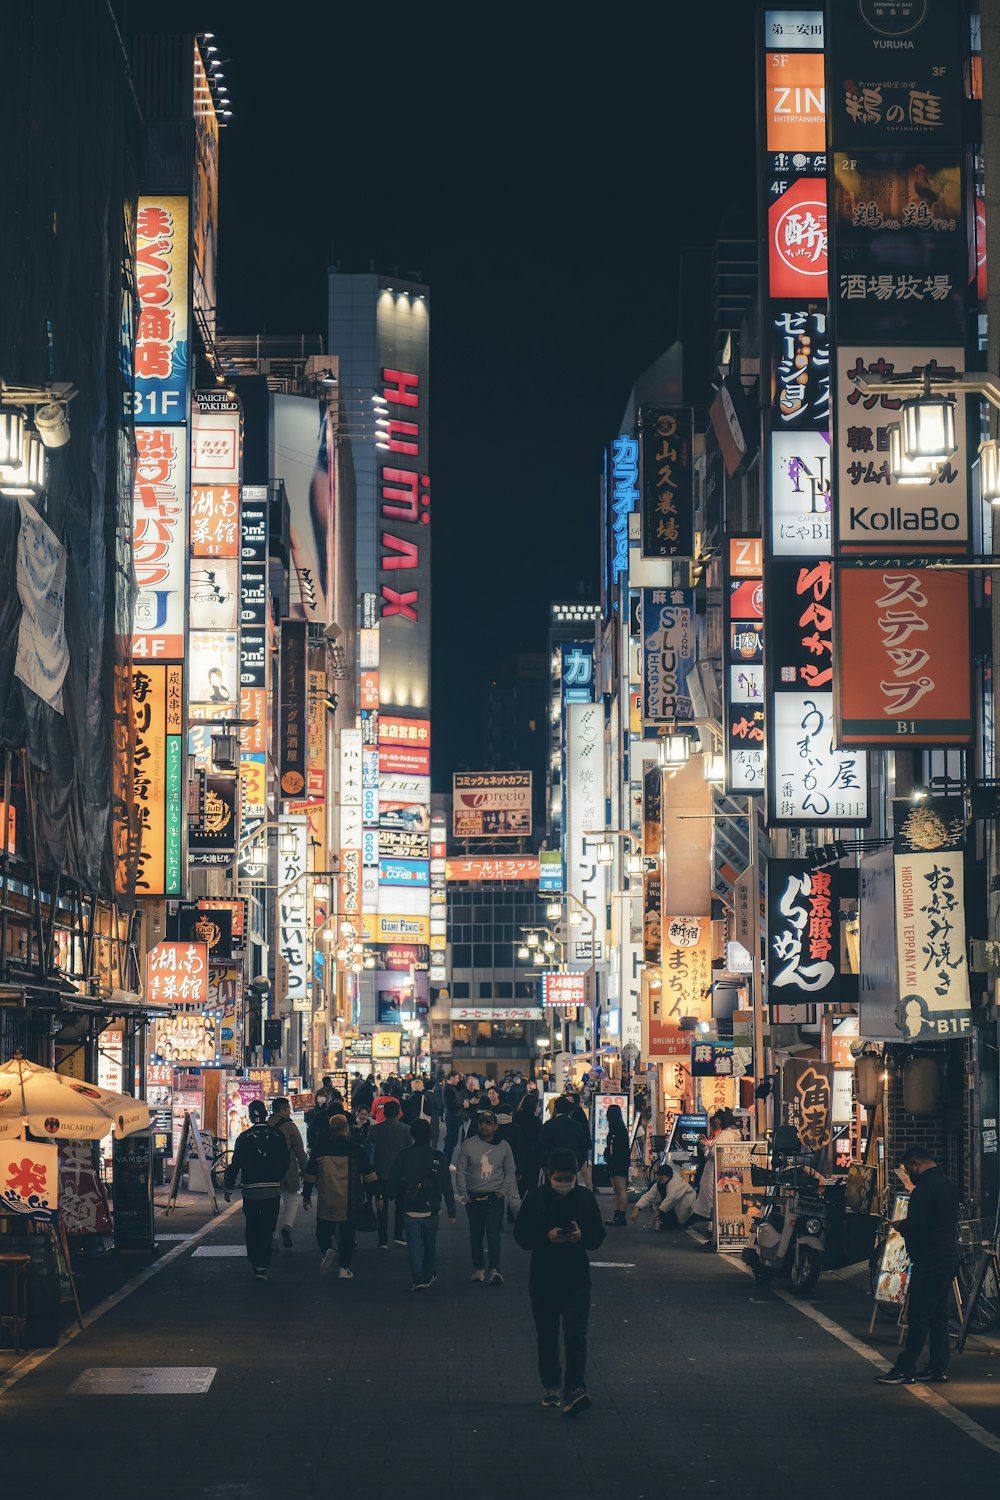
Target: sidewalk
x,y
100,1273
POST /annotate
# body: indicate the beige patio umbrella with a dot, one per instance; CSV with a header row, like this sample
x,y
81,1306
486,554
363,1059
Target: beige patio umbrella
x,y
54,1106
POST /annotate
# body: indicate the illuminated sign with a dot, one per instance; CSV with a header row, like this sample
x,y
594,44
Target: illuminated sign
x,y
157,709
177,973
800,494
393,730
667,436
811,780
929,871
294,738
625,479
668,654
795,101
798,240
496,867
564,989
162,349
292,910
742,683
493,804
159,542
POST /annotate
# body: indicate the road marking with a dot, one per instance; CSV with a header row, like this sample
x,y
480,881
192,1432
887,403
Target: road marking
x,y
185,1236
218,1251
25,1366
615,1265
927,1394
143,1380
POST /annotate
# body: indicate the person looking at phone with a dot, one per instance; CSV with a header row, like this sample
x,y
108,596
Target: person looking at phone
x,y
559,1222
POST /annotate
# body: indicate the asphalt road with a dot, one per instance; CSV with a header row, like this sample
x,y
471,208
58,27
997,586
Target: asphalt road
x,y
703,1385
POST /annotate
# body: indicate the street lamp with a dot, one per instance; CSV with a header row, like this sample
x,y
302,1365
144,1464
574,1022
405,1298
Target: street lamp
x,y
539,958
928,427
906,470
714,767
554,911
673,751
549,946
524,953
605,852
989,471
531,939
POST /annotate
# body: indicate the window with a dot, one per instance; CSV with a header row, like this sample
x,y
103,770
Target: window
x,y
524,989
503,990
482,956
460,990
486,989
461,956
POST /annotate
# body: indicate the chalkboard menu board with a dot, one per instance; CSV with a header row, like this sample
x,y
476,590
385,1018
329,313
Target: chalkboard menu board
x,y
132,1177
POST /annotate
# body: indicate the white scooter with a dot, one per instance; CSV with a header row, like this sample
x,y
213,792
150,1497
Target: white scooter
x,y
790,1234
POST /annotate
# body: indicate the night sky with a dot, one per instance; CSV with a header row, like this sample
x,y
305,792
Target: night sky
x,y
542,178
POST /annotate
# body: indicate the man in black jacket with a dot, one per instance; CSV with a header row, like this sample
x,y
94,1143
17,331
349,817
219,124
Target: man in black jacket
x,y
453,1098
565,1133
419,1179
559,1223
260,1159
930,1231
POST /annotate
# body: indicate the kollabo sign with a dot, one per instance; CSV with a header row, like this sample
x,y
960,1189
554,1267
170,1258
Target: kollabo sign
x,y
873,509
934,1002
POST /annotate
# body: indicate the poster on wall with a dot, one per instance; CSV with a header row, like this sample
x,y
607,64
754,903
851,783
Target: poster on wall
x,y
738,1202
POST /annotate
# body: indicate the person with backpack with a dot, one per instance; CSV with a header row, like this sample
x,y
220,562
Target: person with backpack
x,y
339,1168
420,1106
260,1160
419,1179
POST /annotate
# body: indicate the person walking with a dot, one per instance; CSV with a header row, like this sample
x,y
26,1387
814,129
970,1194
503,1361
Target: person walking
x,y
420,1106
419,1179
617,1151
453,1091
385,1141
340,1170
559,1223
281,1121
316,1116
485,1181
260,1161
362,1094
528,1125
564,1133
930,1232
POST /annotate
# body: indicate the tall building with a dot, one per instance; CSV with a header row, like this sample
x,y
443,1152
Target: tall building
x,y
379,329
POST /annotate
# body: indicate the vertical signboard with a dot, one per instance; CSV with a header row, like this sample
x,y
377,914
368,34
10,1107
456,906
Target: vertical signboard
x,y
900,301
158,713
668,654
624,498
743,665
292,910
584,802
929,872
906,659
687,968
667,440
293,746
808,780
803,933
162,352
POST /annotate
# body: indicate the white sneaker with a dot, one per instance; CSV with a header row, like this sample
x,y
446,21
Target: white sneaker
x,y
345,1274
478,1276
328,1263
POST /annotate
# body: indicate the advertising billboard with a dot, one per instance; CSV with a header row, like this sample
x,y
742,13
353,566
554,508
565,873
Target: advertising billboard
x,y
905,657
158,713
811,780
300,457
494,867
800,493
896,75
585,813
491,804
743,658
159,542
798,241
687,968
803,933
292,910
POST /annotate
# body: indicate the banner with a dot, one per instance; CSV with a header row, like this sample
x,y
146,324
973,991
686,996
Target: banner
x,y
29,1179
743,665
42,651
929,873
803,933
668,654
905,657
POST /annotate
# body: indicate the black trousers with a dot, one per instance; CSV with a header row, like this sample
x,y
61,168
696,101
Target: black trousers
x,y
485,1218
382,1215
552,1305
345,1235
927,1318
261,1215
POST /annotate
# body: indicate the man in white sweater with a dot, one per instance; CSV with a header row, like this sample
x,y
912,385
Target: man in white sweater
x,y
486,1181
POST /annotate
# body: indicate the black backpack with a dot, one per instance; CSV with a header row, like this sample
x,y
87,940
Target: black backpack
x,y
424,1197
265,1155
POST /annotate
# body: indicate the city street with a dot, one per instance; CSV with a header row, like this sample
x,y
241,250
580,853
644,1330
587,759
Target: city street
x,y
702,1385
